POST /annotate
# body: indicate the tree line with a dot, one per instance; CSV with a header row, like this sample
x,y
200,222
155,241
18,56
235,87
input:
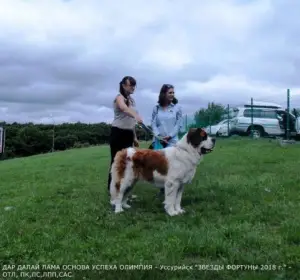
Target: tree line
x,y
29,139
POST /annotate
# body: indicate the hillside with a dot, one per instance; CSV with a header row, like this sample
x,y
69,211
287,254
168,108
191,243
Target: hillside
x,y
242,208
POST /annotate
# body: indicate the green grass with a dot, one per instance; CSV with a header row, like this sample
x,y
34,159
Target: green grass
x,y
242,208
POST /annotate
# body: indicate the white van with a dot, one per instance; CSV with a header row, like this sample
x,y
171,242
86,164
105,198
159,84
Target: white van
x,y
269,119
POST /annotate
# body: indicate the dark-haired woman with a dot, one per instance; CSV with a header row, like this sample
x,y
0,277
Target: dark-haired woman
x,y
125,118
167,116
166,119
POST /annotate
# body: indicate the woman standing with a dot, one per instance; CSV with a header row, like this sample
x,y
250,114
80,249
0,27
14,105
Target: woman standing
x,y
125,118
167,116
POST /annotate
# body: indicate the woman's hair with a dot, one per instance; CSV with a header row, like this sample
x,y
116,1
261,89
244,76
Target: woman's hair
x,y
163,94
122,91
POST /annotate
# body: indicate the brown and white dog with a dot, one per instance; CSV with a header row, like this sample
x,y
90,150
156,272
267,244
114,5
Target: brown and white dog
x,y
169,168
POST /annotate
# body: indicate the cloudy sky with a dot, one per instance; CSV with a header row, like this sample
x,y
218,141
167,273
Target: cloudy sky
x,y
66,58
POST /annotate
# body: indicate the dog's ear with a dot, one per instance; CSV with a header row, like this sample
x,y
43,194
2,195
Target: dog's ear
x,y
195,136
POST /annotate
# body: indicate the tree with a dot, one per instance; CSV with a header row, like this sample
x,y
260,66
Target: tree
x,y
210,115
32,140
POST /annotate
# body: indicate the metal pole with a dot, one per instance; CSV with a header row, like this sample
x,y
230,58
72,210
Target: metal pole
x,y
186,125
288,116
53,134
228,116
53,138
4,142
3,132
251,117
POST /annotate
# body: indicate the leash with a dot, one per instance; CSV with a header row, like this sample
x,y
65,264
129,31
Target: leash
x,y
150,131
157,144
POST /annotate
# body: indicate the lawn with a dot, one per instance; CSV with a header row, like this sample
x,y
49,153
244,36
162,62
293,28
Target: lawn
x,y
243,208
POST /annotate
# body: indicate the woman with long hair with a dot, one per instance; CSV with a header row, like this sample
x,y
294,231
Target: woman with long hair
x,y
166,119
125,118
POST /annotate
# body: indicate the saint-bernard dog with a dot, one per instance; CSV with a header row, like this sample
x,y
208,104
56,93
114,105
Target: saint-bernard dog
x,y
170,168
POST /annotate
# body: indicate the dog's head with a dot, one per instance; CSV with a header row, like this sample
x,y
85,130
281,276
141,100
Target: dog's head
x,y
198,138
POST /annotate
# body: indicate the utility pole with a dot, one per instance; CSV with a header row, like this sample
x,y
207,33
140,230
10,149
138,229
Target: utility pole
x,y
288,129
53,134
2,140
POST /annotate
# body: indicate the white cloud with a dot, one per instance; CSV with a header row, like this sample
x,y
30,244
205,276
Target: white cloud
x,y
68,57
237,89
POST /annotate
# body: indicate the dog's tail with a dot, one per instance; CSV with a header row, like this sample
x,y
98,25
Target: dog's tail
x,y
118,169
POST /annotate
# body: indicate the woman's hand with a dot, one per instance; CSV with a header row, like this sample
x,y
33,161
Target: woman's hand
x,y
138,119
136,142
166,139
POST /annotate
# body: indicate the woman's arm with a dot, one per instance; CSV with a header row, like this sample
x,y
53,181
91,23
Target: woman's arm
x,y
178,124
121,104
153,121
135,139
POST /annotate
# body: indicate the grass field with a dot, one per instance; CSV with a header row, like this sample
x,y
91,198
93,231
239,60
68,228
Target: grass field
x,y
243,208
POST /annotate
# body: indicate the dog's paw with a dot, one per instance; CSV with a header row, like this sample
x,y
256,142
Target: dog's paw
x,y
171,211
126,206
180,211
119,210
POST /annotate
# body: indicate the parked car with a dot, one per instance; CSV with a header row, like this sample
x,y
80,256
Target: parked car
x,y
213,129
269,119
223,130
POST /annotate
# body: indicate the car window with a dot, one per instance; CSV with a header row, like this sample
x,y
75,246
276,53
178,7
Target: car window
x,y
269,114
260,113
256,113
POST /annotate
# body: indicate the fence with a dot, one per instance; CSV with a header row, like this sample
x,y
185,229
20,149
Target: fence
x,y
258,119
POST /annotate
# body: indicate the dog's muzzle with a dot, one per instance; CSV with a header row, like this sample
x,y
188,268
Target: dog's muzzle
x,y
206,151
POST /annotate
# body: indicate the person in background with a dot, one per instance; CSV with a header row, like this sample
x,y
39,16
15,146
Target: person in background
x,y
166,119
125,118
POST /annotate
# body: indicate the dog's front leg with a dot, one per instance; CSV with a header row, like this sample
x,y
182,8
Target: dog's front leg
x,y
171,189
178,200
